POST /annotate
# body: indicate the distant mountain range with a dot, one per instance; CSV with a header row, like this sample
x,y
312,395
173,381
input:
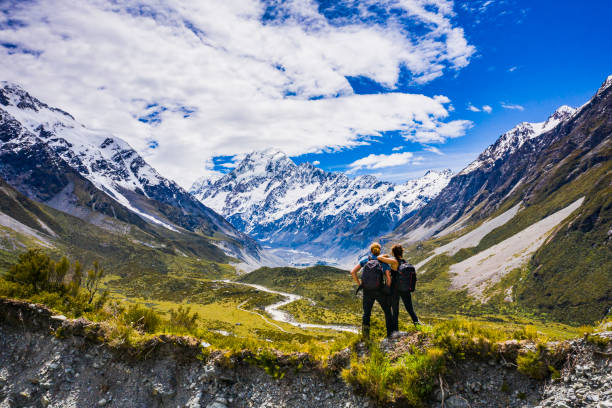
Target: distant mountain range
x,y
53,159
321,215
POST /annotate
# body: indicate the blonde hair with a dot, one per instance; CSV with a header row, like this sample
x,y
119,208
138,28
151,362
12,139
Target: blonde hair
x,y
375,248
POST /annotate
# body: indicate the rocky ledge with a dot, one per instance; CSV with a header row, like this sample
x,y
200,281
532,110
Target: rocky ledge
x,y
51,361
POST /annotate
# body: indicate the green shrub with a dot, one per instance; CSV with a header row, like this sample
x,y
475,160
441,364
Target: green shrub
x,y
460,337
13,289
531,364
410,379
528,332
600,341
142,318
93,280
181,318
554,373
267,360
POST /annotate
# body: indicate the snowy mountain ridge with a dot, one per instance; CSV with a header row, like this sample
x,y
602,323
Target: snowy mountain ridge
x,y
106,160
31,130
513,139
301,206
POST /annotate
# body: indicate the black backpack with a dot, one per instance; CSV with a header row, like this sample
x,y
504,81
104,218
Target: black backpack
x,y
406,277
372,276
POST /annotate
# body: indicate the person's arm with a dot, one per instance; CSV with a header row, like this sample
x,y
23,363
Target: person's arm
x,y
388,273
388,260
354,274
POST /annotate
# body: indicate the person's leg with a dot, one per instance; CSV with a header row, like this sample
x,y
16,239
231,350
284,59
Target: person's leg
x,y
368,302
395,298
407,299
383,300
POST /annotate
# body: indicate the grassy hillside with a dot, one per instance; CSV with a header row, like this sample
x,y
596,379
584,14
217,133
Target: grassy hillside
x,y
124,249
326,285
568,279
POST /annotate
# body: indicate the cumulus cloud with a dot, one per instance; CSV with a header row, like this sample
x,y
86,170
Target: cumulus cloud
x,y
485,108
433,149
397,148
380,161
472,108
216,78
316,163
512,106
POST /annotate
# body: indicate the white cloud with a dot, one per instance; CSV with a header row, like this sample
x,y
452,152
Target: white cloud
x,y
472,108
512,106
512,69
485,108
379,161
397,148
246,85
433,149
439,132
316,163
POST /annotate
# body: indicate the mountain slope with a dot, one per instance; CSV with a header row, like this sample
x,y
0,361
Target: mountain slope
x,y
133,252
521,180
326,214
46,154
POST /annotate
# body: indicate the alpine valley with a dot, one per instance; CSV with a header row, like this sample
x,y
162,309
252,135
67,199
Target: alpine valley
x,y
196,298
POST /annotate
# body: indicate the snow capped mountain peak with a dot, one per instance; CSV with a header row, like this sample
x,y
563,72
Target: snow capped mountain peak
x,y
607,83
12,94
513,139
438,173
282,204
261,163
562,113
106,160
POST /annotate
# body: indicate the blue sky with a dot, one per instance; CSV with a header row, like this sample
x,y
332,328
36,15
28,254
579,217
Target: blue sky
x,y
385,87
537,55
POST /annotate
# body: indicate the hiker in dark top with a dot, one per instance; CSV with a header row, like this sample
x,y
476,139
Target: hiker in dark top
x,y
400,286
374,288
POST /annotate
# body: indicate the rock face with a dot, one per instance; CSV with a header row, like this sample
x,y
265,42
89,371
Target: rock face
x,y
586,380
74,370
39,369
303,207
50,157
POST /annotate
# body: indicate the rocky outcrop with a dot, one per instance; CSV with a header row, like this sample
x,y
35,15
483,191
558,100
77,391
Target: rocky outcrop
x,y
49,360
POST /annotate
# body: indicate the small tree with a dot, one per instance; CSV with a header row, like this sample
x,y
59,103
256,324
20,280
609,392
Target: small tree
x,y
94,279
58,272
77,277
33,268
